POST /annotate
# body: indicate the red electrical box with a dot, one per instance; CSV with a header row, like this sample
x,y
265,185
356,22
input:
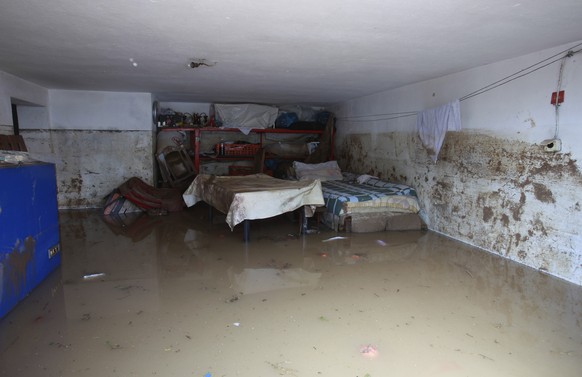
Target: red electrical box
x,y
557,98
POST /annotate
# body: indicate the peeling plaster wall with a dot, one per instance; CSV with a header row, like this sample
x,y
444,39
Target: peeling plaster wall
x,y
97,140
493,186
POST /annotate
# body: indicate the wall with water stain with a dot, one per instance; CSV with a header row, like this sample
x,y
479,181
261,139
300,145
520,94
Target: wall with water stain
x,y
97,140
91,163
493,186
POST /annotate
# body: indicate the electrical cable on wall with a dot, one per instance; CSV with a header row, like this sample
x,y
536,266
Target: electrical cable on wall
x,y
528,70
395,116
521,73
558,89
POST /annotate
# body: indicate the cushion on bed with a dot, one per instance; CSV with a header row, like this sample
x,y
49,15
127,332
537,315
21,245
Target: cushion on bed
x,y
349,177
327,171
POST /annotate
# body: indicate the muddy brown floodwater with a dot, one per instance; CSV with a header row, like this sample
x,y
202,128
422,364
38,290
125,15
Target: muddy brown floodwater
x,y
177,296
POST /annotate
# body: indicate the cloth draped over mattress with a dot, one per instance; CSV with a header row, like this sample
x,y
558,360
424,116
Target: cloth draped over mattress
x,y
433,124
252,197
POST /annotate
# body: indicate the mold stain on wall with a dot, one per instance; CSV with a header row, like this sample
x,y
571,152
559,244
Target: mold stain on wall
x,y
505,196
91,163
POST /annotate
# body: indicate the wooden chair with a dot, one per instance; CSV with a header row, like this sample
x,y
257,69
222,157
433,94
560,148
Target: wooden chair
x,y
176,167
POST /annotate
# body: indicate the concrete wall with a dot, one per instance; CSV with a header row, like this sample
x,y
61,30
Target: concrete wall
x,y
493,186
97,140
14,89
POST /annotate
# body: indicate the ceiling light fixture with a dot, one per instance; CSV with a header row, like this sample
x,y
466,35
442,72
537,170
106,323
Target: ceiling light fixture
x,y
196,63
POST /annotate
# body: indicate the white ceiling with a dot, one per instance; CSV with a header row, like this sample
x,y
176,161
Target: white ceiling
x,y
269,51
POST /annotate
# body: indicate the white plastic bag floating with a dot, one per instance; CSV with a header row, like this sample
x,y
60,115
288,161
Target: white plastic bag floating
x,y
245,115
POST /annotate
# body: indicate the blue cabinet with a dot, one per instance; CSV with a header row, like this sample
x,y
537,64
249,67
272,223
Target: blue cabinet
x,y
29,229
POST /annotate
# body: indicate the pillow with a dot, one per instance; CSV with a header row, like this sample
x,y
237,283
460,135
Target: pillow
x,y
350,177
364,178
327,171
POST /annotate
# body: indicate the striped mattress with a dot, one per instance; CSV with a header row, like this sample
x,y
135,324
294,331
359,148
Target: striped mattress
x,y
342,197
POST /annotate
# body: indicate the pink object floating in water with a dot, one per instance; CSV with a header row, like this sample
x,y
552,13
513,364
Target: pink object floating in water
x,y
369,351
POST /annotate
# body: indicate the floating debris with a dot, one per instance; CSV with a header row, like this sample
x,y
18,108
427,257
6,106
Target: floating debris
x,y
172,349
59,345
369,351
94,276
113,346
381,243
335,239
283,370
232,299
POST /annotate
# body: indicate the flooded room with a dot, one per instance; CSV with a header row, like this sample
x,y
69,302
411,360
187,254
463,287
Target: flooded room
x,y
345,189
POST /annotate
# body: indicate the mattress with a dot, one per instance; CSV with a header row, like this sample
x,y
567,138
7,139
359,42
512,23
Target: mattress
x,y
342,198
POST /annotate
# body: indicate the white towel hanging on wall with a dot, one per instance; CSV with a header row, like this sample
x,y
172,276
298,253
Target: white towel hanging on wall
x,y
433,124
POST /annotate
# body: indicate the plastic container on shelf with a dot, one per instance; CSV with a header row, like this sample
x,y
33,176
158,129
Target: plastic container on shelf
x,y
226,149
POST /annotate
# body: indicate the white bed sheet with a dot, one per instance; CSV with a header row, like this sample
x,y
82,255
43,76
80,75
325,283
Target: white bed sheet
x,y
252,197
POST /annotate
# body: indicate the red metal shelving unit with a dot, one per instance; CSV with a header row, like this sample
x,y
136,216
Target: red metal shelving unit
x,y
196,135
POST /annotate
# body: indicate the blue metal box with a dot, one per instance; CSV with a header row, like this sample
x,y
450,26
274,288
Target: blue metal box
x,y
29,229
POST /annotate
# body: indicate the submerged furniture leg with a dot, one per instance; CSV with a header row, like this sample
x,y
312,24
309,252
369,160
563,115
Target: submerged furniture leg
x,y
302,221
210,214
246,230
346,226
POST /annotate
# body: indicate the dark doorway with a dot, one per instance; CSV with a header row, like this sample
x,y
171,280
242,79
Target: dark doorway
x,y
15,119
